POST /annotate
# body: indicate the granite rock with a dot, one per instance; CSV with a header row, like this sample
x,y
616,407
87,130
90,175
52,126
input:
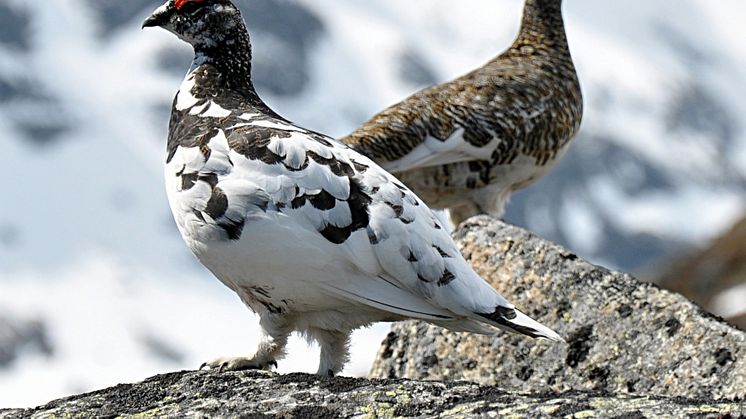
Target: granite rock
x,y
623,335
267,395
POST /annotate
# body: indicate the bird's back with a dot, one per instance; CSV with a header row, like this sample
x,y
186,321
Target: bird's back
x,y
500,126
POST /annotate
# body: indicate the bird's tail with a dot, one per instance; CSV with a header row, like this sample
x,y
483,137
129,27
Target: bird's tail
x,y
511,319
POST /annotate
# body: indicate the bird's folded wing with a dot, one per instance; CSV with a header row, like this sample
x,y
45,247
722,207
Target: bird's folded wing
x,y
353,207
411,250
436,152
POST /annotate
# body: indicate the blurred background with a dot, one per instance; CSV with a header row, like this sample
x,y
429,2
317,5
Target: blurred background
x,y
96,286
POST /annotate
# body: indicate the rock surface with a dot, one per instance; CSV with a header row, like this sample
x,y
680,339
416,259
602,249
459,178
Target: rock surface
x,y
264,395
633,350
623,336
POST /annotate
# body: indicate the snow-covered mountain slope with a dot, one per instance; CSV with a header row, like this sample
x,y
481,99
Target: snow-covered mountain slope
x,y
87,244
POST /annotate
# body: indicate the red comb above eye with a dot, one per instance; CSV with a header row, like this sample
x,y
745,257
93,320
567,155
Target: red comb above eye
x,y
180,3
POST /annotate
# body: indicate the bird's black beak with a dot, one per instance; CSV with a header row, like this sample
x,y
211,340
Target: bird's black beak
x,y
151,22
159,17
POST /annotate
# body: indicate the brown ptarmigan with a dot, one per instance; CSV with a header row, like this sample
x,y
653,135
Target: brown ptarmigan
x,y
311,235
466,145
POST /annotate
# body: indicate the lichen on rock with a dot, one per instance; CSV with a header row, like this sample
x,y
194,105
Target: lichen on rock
x,y
633,351
265,395
624,336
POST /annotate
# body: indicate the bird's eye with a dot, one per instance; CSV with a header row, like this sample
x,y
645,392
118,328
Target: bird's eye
x,y
190,8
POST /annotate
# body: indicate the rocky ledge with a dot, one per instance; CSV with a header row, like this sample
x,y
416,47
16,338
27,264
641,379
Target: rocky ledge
x,y
263,395
624,336
633,351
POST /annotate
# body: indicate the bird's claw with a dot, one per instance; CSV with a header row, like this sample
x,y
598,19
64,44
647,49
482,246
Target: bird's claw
x,y
237,364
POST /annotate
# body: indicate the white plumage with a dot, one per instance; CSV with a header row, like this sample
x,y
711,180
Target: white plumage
x,y
313,236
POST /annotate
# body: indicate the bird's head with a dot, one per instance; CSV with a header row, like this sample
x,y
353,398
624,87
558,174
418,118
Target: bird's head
x,y
205,24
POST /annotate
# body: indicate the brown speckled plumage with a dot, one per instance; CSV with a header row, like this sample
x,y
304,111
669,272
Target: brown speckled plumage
x,y
519,112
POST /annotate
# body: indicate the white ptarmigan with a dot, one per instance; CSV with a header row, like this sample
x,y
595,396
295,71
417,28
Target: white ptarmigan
x,y
312,236
468,144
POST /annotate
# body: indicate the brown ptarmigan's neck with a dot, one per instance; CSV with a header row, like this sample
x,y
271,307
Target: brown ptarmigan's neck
x,y
542,28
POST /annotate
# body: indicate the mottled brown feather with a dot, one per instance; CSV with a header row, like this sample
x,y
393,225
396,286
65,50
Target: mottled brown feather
x,y
528,97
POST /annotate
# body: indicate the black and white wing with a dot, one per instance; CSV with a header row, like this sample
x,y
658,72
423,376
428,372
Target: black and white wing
x,y
318,204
